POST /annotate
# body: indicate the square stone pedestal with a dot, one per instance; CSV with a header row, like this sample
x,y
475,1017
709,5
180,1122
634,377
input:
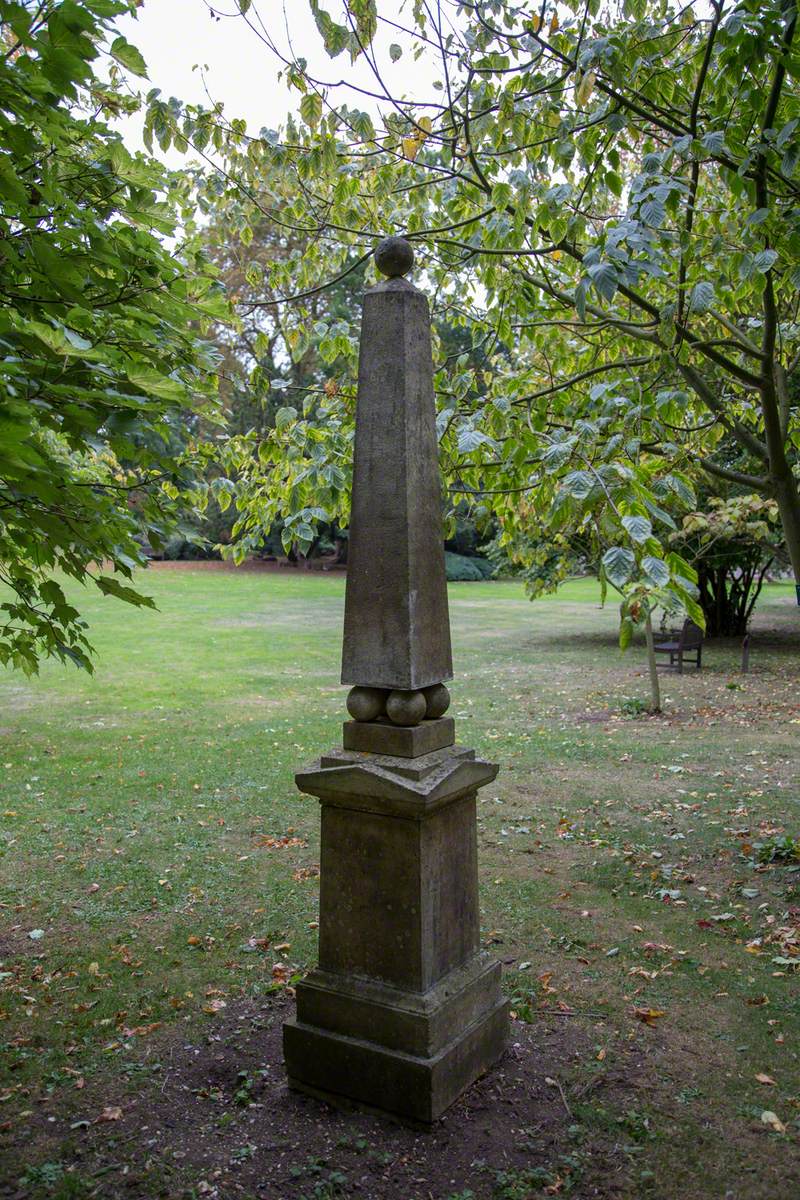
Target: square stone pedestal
x,y
404,1010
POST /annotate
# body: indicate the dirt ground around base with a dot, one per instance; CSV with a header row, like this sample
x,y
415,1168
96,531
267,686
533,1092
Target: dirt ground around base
x,y
215,1118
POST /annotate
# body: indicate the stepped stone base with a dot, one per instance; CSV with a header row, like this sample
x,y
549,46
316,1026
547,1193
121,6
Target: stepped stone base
x,y
417,1088
404,1011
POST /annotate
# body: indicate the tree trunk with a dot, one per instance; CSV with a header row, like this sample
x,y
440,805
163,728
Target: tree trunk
x,y
655,686
788,501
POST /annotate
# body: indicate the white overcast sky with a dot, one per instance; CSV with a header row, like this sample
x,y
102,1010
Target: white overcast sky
x,y
177,35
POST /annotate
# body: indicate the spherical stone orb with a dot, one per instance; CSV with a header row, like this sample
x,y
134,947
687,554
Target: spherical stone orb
x,y
394,256
365,703
437,699
406,708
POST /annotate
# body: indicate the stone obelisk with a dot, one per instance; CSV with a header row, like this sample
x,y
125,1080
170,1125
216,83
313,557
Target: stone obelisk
x,y
404,1010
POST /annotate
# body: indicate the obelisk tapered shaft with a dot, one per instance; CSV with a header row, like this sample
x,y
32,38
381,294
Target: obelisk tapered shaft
x,y
404,1010
396,627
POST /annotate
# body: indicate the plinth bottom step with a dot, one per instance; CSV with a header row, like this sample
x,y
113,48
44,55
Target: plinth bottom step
x,y
336,1067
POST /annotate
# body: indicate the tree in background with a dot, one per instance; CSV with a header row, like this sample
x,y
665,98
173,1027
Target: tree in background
x,y
284,362
105,370
732,544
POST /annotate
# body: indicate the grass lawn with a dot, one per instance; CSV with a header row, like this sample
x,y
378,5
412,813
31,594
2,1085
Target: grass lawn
x,y
158,885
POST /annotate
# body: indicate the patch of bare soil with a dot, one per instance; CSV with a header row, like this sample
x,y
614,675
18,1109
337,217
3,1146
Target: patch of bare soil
x,y
216,1118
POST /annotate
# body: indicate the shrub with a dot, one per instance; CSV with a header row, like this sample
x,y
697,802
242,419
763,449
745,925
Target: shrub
x,y
462,569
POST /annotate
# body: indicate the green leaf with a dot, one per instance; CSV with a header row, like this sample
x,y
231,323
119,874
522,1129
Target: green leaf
x,y
470,439
285,416
578,484
557,454
679,566
156,384
638,528
112,587
311,109
656,570
765,260
128,56
618,563
625,633
604,279
395,52
701,297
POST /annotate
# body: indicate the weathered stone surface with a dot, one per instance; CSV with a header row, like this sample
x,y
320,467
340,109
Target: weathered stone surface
x,y
366,704
416,1023
437,701
396,629
406,741
404,1010
372,783
394,256
414,767
334,1066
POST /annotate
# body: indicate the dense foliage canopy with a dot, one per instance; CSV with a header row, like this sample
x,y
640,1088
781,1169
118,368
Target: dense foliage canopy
x,y
605,200
103,364
605,209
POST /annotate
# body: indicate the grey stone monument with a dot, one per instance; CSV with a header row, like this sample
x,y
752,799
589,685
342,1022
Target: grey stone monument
x,y
404,1010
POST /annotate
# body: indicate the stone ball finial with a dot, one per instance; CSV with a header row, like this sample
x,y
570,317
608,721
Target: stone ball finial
x,y
366,703
394,256
405,707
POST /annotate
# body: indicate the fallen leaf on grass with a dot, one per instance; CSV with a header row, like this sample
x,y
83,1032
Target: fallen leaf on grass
x,y
214,1006
281,843
648,1016
141,1030
773,1120
762,1078
112,1113
643,973
303,873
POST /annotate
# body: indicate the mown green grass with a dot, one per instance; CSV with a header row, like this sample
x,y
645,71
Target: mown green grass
x,y
137,808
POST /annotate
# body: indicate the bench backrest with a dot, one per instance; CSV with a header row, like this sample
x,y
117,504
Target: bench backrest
x,y
691,635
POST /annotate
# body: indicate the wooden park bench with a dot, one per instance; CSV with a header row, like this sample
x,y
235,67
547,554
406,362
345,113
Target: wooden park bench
x,y
682,644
